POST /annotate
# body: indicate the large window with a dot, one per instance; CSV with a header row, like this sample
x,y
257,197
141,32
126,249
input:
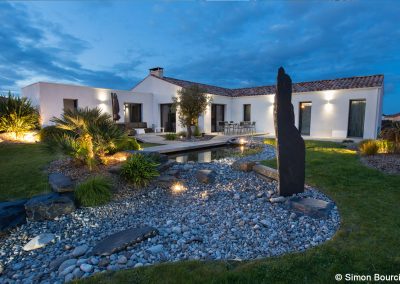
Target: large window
x,y
168,117
133,112
217,115
70,104
305,118
356,118
247,112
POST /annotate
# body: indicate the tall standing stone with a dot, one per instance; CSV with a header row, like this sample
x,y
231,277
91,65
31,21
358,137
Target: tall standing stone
x,y
289,143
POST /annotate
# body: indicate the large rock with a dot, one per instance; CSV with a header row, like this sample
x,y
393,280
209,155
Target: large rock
x,y
165,165
60,183
316,208
289,143
266,171
12,214
166,181
206,176
245,166
48,206
119,241
38,242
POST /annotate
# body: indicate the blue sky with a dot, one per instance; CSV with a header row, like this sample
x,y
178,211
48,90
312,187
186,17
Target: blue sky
x,y
232,44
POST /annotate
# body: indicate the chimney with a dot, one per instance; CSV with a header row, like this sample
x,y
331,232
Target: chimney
x,y
157,71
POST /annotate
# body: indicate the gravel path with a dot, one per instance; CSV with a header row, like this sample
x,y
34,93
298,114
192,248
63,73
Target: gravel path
x,y
229,219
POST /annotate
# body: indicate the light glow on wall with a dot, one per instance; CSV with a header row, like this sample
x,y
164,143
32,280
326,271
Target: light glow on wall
x,y
102,96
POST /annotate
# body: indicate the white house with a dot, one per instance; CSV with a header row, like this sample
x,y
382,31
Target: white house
x,y
327,109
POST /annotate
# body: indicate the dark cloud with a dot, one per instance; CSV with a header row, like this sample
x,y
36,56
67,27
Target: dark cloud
x,y
43,49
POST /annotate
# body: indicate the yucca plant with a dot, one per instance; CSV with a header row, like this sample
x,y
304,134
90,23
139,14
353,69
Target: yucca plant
x,y
139,170
17,115
89,134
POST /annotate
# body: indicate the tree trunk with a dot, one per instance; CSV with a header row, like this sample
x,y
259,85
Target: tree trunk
x,y
188,131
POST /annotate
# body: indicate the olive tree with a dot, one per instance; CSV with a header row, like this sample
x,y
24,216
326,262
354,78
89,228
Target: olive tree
x,y
190,102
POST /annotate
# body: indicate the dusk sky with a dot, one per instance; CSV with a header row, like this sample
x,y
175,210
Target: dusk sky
x,y
112,44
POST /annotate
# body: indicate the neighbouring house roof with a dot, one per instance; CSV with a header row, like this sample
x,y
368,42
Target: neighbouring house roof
x,y
321,85
391,115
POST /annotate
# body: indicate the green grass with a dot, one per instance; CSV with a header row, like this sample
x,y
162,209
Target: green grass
x,y
21,170
366,243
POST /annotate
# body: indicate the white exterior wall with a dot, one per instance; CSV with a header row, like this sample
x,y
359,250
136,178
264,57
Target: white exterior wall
x,y
329,111
49,97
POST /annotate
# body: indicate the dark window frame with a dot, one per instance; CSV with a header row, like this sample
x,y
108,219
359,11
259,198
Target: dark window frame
x,y
349,118
244,112
301,118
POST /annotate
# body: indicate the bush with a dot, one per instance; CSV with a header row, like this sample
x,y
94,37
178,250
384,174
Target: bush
x,y
49,134
126,144
139,170
171,136
386,147
88,135
392,132
270,141
368,147
17,115
182,133
196,132
94,191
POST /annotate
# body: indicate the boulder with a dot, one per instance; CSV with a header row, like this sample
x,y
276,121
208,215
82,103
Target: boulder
x,y
289,143
38,242
312,207
60,183
48,206
165,181
266,171
119,241
206,176
12,214
165,165
245,166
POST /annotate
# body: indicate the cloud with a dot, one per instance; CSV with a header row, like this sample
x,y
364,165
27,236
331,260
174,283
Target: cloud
x,y
43,50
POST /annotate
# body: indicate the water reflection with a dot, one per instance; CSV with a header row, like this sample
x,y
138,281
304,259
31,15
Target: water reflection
x,y
207,155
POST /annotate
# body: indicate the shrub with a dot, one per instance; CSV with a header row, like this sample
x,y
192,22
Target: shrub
x,y
270,141
94,191
126,144
17,115
182,133
49,134
139,170
368,147
386,147
88,135
171,136
197,132
392,132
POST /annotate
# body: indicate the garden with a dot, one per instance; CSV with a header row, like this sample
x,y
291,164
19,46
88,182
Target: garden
x,y
86,186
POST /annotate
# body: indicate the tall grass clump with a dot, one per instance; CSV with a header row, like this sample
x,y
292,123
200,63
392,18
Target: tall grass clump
x,y
139,170
368,147
94,191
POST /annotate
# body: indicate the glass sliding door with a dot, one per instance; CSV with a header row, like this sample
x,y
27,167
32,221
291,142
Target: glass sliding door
x,y
247,112
356,118
305,118
133,112
167,118
217,115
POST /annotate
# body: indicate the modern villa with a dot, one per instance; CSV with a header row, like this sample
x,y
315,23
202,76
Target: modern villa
x,y
327,109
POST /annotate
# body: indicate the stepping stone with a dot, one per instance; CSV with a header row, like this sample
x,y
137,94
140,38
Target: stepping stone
x,y
310,206
205,176
245,166
38,242
48,206
266,171
60,183
12,214
119,241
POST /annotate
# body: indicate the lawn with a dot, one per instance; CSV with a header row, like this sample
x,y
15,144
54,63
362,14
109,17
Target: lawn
x,y
22,169
366,243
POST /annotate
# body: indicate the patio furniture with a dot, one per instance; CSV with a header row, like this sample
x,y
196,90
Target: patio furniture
x,y
159,129
133,127
139,131
221,126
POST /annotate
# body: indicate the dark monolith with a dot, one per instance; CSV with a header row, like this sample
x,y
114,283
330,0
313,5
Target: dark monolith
x,y
289,143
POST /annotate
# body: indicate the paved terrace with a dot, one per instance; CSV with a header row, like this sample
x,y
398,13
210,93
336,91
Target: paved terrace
x,y
178,146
